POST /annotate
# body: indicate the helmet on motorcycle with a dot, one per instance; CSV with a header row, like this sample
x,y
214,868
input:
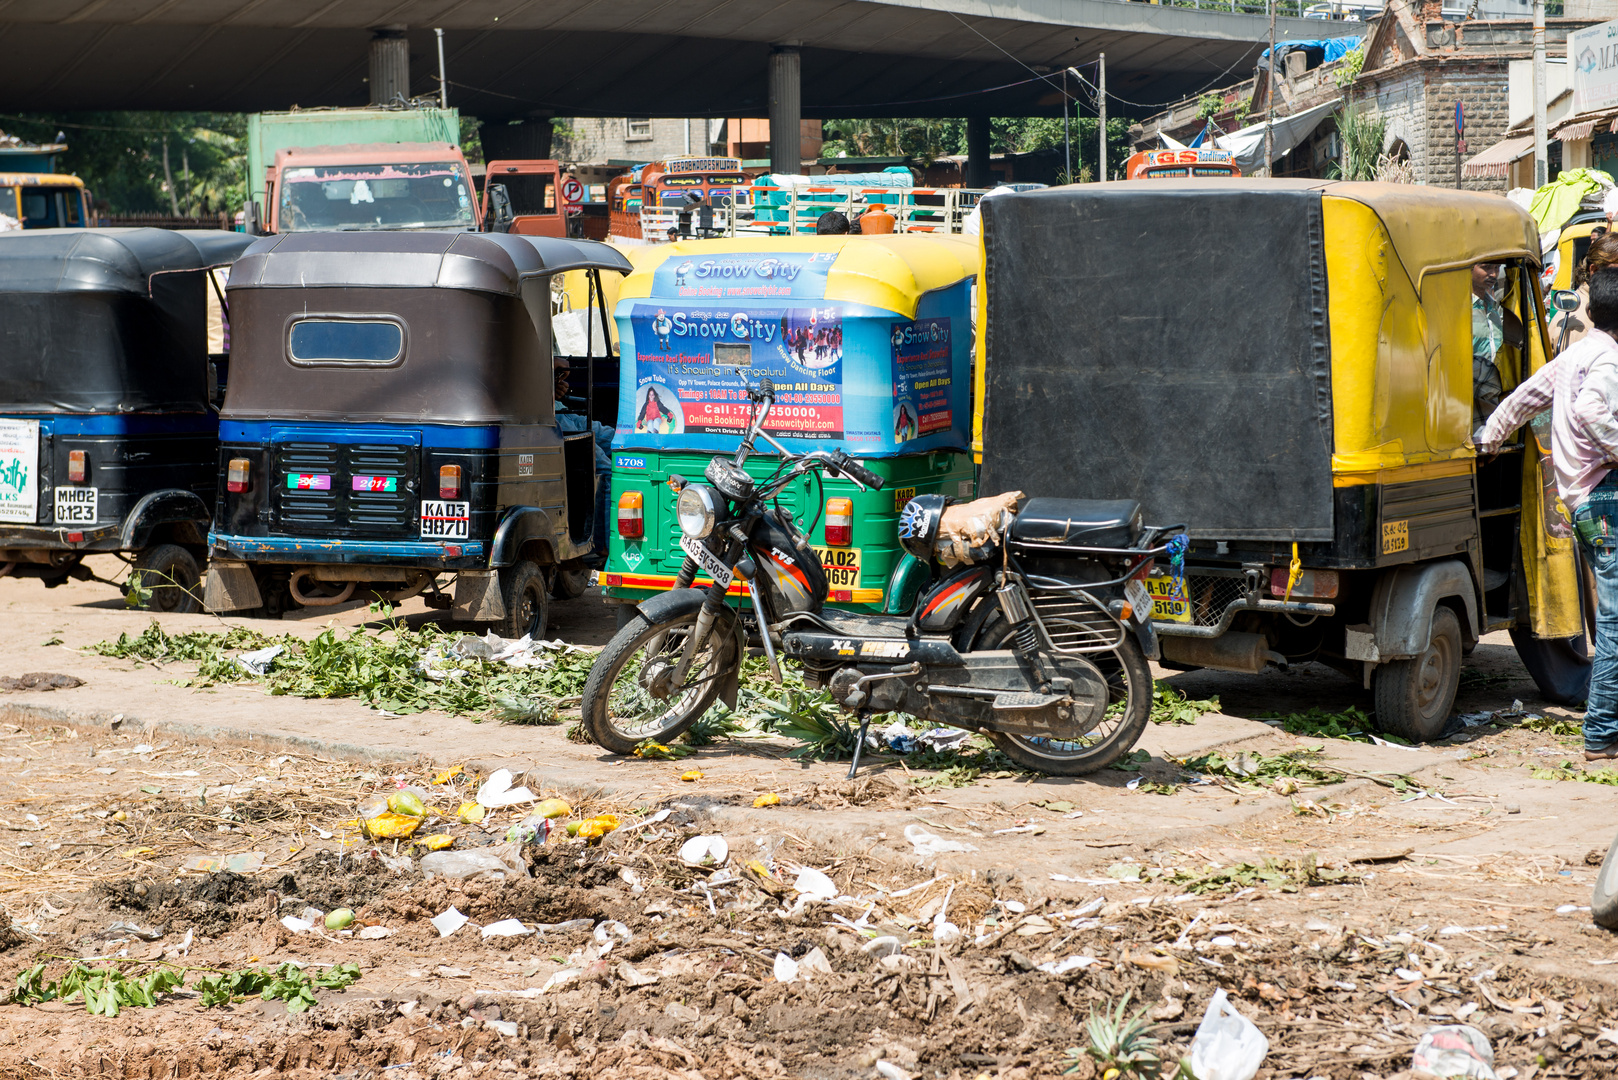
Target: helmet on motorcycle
x,y
918,524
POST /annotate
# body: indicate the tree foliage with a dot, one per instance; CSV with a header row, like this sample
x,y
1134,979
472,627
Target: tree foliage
x,y
926,140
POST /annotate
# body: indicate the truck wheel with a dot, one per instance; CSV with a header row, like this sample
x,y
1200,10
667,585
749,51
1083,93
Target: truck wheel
x,y
168,574
524,592
1560,666
570,584
1413,697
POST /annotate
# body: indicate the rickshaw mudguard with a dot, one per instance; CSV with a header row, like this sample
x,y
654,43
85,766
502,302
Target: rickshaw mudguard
x,y
173,506
1403,602
523,525
677,602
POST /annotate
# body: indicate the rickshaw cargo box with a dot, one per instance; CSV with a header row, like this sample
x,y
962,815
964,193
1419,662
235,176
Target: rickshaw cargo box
x,y
1168,339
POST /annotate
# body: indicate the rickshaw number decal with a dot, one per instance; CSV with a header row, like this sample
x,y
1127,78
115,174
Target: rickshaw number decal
x,y
842,566
1395,537
1169,602
445,520
902,496
76,505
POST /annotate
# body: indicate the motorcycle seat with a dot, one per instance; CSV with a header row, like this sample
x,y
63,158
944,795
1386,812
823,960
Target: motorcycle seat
x,y
855,625
1081,522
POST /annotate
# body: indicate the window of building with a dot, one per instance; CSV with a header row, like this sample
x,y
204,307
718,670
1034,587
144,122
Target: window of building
x,y
639,127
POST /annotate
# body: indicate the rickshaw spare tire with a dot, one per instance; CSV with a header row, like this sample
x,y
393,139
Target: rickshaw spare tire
x,y
169,574
1414,697
525,592
1560,667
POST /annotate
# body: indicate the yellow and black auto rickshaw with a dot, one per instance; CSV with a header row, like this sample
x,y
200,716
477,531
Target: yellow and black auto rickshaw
x,y
1287,366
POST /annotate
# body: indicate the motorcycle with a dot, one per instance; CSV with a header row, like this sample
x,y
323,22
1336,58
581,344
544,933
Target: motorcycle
x,y
1035,629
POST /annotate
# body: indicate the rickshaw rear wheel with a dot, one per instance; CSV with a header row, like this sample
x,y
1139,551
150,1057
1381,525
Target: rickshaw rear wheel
x,y
169,575
526,596
570,584
1413,697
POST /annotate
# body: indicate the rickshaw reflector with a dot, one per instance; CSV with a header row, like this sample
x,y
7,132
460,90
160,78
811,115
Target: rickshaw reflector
x,y
78,466
842,596
631,522
237,474
839,522
449,482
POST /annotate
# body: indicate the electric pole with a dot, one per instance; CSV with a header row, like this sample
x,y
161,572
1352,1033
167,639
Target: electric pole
x,y
1541,168
1269,102
1101,107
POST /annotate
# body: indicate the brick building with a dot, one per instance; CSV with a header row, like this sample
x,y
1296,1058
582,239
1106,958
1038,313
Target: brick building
x,y
1418,65
636,138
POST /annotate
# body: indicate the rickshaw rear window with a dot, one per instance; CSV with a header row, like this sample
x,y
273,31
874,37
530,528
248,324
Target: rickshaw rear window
x,y
345,341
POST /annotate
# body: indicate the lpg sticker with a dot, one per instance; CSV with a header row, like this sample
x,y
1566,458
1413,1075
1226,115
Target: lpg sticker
x,y
76,505
445,520
632,558
525,464
889,649
1395,537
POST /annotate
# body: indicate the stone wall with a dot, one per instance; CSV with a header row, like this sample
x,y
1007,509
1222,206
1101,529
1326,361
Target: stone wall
x,y
1482,86
1400,99
598,138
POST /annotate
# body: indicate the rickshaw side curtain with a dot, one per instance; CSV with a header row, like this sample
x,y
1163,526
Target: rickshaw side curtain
x,y
1166,342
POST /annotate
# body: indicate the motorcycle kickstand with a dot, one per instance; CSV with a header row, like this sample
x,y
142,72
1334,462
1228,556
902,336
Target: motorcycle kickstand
x,y
859,745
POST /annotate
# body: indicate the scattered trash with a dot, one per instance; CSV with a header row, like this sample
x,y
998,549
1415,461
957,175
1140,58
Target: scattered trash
x,y
341,919
134,931
258,661
1227,1045
247,862
595,828
703,851
889,1071
902,740
610,933
926,844
438,841
375,933
497,791
814,963
447,775
769,798
506,928
691,775
886,945
560,978
391,826
492,864
470,813
815,885
296,925
508,1028
633,976
446,923
1455,1050
1067,964
786,968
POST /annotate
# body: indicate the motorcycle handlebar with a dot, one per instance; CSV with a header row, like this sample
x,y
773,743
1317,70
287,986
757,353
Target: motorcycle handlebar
x,y
855,471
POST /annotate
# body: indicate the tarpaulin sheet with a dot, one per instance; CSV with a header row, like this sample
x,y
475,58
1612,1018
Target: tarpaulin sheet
x,y
1165,341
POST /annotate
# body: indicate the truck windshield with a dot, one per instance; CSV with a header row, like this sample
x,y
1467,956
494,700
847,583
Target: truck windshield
x,y
402,196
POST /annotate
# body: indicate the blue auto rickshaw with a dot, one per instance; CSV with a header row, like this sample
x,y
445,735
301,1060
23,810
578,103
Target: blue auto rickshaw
x,y
111,351
391,419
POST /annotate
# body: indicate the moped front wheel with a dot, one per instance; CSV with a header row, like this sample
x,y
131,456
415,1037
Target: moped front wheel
x,y
632,694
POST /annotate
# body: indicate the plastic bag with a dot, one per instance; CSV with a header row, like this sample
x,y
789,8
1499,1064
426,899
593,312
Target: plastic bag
x,y
1455,1050
1227,1046
494,864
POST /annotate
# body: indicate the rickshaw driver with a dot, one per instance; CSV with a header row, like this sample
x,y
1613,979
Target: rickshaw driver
x,y
569,422
1581,388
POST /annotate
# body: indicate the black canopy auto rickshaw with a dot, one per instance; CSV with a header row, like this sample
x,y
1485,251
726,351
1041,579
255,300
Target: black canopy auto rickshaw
x,y
1288,366
391,418
111,347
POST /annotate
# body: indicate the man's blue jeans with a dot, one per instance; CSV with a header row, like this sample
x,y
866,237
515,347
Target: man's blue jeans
x,y
1601,551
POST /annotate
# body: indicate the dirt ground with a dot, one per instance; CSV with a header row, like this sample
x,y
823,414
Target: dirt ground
x,y
1416,887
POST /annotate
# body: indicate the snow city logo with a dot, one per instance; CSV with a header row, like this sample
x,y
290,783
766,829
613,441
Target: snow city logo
x,y
1587,60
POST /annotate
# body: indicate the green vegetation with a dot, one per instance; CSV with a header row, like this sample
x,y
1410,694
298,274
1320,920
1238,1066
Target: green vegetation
x,y
1569,771
1120,1044
1352,724
107,990
926,140
1170,706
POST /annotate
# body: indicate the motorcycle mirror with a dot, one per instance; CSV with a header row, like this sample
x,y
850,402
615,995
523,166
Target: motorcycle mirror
x,y
1565,300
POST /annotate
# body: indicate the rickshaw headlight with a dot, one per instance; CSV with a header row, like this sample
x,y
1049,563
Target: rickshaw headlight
x,y
696,511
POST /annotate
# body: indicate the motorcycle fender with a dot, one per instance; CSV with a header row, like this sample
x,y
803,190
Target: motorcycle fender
x,y
678,602
1148,640
670,604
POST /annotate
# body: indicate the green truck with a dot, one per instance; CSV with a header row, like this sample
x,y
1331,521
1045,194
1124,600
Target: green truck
x,y
371,168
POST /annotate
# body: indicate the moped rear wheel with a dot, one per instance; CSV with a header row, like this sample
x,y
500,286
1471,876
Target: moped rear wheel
x,y
630,696
1129,683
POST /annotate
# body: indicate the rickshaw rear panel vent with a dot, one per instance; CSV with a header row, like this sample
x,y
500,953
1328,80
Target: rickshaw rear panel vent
x,y
333,507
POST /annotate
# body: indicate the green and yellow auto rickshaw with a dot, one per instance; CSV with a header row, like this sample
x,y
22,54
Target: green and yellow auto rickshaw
x,y
1288,366
868,340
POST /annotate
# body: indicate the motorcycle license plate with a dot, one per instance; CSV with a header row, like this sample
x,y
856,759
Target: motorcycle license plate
x,y
842,566
1169,604
710,563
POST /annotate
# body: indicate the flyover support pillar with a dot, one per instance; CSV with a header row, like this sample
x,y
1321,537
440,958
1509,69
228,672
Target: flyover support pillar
x,y
390,65
977,151
786,111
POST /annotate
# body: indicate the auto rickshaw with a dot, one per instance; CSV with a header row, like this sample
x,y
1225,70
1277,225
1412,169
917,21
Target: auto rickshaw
x,y
108,369
391,419
868,341
1287,366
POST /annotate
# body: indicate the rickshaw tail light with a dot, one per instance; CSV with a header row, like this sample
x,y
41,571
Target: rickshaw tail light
x,y
631,519
1316,584
238,474
839,522
78,466
449,482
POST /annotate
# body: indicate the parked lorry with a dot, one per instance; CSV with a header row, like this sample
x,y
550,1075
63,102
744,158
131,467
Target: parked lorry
x,y
33,195
365,169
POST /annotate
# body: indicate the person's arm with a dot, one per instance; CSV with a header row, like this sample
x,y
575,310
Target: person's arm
x,y
1595,409
1524,403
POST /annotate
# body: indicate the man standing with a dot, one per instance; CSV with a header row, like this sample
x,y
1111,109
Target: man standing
x,y
1580,387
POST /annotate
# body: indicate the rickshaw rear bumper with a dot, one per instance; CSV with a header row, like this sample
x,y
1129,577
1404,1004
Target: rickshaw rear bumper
x,y
16,540
434,554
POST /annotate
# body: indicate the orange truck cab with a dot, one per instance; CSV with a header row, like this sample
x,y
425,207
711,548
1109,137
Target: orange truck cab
x,y
1180,164
368,187
531,204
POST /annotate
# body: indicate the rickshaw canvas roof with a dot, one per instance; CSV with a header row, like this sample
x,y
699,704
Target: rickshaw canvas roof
x,y
484,262
890,272
108,260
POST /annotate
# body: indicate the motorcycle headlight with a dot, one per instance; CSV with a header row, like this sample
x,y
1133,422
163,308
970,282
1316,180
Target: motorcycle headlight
x,y
696,511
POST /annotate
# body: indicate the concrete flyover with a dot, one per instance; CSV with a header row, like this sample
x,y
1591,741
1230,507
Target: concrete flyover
x,y
519,59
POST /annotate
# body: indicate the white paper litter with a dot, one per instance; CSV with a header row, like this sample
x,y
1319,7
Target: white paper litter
x,y
506,928
705,851
444,661
448,922
926,844
610,933
815,885
508,1028
560,978
497,791
814,963
1067,964
295,924
258,661
374,933
786,968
